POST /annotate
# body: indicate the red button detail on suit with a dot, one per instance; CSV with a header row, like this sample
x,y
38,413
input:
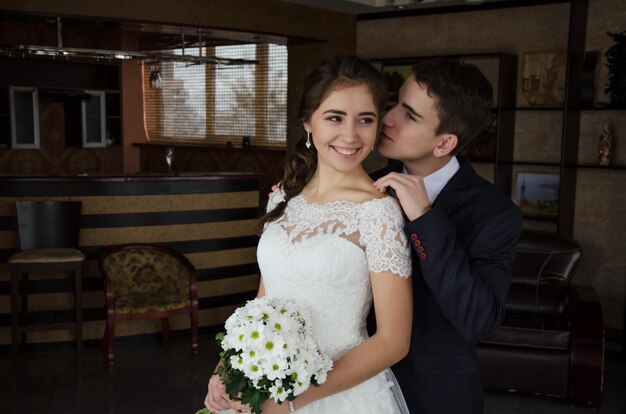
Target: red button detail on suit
x,y
420,249
413,236
418,243
423,256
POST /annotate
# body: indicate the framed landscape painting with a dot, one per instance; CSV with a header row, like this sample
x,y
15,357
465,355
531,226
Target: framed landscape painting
x,y
537,193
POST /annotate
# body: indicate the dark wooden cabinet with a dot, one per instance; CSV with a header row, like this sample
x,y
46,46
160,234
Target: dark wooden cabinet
x,y
90,93
86,121
24,117
113,117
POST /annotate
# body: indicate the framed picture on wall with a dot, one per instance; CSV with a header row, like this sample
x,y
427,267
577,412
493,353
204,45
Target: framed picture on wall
x,y
395,75
537,193
543,79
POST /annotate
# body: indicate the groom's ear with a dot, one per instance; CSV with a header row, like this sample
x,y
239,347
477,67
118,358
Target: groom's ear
x,y
446,145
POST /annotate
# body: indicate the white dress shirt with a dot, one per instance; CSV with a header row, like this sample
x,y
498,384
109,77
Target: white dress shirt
x,y
436,181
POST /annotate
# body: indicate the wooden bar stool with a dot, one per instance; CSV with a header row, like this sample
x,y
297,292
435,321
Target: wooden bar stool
x,y
48,232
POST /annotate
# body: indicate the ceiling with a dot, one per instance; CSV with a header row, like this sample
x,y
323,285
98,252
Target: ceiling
x,y
156,37
371,7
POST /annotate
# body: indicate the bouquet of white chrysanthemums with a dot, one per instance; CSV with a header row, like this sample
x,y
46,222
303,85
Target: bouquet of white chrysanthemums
x,y
269,351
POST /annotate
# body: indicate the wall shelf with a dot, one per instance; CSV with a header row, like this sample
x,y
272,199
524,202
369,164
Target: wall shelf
x,y
538,108
603,108
599,167
539,164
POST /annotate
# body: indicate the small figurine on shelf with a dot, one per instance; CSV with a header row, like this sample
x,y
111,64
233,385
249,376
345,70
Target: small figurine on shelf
x,y
169,158
604,158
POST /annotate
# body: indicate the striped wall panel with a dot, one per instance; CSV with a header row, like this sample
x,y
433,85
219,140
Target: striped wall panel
x,y
210,219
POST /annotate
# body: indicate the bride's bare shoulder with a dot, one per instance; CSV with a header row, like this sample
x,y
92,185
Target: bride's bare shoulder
x,y
360,195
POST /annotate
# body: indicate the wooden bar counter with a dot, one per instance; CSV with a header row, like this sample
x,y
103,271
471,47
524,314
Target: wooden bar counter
x,y
211,218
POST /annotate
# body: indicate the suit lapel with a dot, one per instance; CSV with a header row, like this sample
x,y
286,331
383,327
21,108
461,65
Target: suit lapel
x,y
448,198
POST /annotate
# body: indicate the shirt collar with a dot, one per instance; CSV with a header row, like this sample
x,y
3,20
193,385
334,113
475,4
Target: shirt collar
x,y
436,181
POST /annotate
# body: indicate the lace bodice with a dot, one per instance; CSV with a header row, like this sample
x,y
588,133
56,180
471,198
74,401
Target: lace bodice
x,y
321,256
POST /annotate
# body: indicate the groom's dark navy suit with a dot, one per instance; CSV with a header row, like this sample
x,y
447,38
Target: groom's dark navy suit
x,y
463,251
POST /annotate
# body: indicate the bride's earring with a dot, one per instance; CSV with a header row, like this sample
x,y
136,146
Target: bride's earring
x,y
308,139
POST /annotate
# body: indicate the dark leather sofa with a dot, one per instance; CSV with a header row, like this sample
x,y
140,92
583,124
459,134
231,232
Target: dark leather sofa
x,y
551,341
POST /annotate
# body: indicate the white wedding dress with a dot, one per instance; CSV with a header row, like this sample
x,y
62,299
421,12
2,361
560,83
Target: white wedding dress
x,y
321,256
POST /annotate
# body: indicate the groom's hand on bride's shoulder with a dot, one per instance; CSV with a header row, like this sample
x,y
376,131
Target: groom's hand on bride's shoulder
x,y
409,190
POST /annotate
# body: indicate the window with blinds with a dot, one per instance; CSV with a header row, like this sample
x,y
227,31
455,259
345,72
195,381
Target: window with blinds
x,y
219,104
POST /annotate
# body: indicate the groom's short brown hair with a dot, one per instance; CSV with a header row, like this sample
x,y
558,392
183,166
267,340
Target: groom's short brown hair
x,y
463,96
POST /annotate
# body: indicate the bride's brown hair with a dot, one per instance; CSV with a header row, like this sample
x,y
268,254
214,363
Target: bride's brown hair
x,y
331,75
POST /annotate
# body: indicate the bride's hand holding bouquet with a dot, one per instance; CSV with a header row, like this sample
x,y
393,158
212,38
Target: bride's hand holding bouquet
x,y
268,351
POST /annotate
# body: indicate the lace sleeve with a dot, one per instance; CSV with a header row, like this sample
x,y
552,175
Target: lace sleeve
x,y
275,199
385,243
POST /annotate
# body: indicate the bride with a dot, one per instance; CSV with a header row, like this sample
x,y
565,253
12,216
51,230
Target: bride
x,y
334,244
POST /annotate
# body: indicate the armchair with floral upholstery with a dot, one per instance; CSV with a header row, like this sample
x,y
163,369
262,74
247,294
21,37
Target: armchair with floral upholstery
x,y
147,281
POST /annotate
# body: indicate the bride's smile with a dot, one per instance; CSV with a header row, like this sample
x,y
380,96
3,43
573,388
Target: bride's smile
x,y
343,128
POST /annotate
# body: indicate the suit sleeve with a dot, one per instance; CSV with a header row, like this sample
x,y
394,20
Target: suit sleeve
x,y
471,285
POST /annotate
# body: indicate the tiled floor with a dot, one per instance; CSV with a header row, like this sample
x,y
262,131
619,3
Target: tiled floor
x,y
153,379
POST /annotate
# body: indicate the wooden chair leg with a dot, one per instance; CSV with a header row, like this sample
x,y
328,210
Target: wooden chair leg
x,y
15,275
194,330
24,305
165,323
78,304
109,340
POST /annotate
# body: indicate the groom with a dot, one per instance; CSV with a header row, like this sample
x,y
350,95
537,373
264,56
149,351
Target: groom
x,y
462,229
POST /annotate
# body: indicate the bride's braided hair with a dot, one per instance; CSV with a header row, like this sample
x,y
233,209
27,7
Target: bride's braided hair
x,y
331,75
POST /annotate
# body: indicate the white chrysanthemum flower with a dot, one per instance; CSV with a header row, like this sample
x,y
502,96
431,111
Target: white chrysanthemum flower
x,y
253,371
254,335
274,344
271,341
237,362
300,387
275,369
320,376
300,373
235,339
277,392
250,357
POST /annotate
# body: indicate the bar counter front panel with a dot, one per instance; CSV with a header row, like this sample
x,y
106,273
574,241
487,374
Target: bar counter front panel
x,y
211,219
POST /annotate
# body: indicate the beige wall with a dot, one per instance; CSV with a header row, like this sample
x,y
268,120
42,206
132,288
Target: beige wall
x,y
600,223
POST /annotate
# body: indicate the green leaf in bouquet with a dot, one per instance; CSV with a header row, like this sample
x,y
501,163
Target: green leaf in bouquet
x,y
227,354
235,383
254,398
204,411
